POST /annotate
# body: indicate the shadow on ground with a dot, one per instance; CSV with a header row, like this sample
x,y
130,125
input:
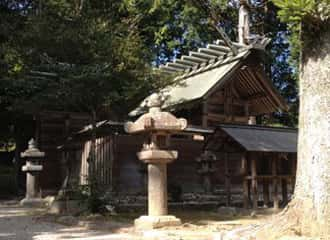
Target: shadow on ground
x,y
25,224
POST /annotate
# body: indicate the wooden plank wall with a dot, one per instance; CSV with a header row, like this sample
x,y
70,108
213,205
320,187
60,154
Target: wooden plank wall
x,y
119,169
104,161
52,128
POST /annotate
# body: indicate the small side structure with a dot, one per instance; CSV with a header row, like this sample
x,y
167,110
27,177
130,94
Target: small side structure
x,y
266,161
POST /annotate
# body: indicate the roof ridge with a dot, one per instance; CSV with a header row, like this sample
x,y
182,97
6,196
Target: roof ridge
x,y
202,58
212,65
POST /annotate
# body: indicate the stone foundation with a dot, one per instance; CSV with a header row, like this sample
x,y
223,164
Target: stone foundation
x,y
152,222
33,202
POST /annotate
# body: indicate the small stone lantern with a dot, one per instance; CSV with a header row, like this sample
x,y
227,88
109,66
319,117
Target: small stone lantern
x,y
157,126
206,168
32,168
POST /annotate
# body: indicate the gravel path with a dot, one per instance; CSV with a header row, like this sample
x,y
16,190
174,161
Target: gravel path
x,y
17,223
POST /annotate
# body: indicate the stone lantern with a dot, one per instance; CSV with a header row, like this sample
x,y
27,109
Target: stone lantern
x,y
32,168
157,126
206,168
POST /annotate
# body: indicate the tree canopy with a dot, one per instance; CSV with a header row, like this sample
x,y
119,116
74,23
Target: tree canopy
x,y
84,55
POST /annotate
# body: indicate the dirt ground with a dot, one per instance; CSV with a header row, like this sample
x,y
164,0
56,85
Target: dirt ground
x,y
25,223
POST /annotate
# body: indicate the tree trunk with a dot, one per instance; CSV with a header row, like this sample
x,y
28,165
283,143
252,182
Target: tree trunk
x,y
312,191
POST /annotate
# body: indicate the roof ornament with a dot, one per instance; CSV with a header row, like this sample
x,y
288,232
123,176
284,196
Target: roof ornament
x,y
155,101
155,119
32,144
244,22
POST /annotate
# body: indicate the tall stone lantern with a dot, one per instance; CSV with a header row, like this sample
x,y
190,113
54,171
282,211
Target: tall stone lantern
x,y
157,126
32,168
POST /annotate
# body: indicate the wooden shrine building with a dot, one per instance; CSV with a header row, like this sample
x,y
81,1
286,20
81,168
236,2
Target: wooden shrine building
x,y
216,86
223,155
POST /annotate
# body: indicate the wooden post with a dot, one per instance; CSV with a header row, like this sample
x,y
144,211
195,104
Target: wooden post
x,y
265,185
265,191
254,186
112,159
284,191
293,158
227,181
65,161
275,182
284,186
245,181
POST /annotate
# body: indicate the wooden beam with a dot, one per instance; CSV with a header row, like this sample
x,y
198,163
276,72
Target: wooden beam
x,y
221,49
266,84
201,55
216,116
170,69
178,65
255,89
186,62
256,96
226,40
270,177
193,59
212,52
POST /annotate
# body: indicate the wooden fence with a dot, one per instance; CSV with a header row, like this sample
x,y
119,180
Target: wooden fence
x,y
104,161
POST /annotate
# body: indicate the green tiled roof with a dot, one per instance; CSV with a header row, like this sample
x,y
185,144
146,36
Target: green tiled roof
x,y
195,84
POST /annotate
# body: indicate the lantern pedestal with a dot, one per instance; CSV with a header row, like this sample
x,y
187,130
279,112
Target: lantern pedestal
x,y
157,161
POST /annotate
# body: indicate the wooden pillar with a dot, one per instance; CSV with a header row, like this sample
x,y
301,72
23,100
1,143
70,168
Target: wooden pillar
x,y
284,184
293,159
245,181
265,184
227,181
254,183
265,191
275,181
111,161
284,187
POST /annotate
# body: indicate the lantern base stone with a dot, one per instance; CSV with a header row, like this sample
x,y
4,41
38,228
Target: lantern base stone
x,y
153,222
33,202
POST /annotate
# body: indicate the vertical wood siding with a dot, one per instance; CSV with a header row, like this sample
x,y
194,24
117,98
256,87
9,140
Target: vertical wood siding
x,y
104,159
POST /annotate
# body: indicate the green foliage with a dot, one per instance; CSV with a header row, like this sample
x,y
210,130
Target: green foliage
x,y
102,52
171,27
94,49
295,10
